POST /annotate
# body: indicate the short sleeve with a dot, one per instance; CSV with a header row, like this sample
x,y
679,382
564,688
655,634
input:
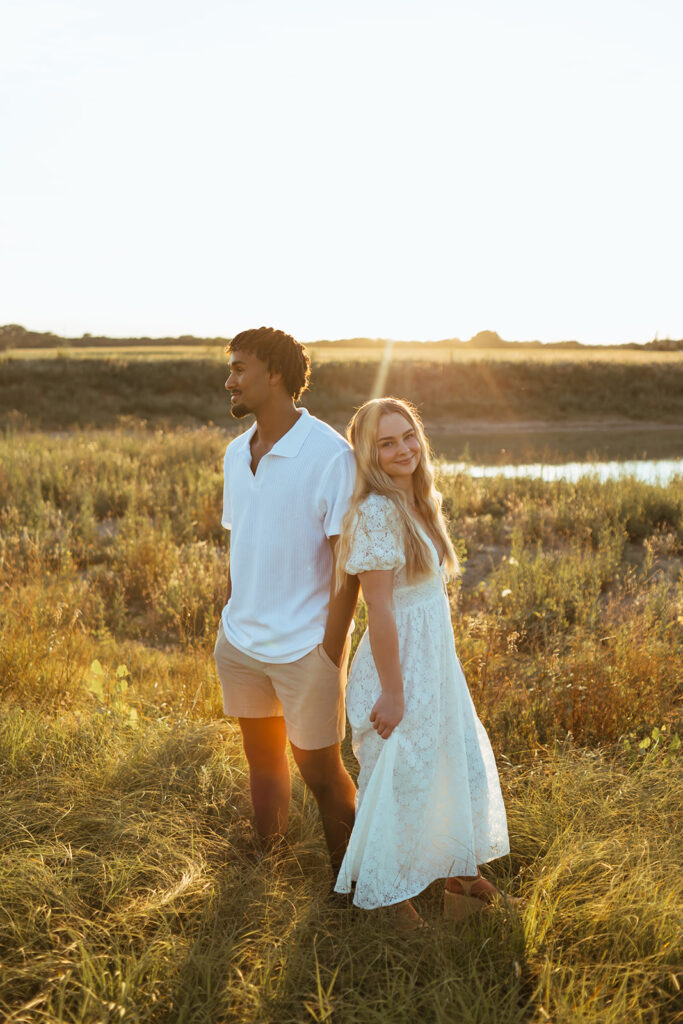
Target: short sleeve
x,y
335,490
376,541
227,507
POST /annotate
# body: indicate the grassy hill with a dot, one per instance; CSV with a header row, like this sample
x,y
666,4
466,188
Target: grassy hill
x,y
57,394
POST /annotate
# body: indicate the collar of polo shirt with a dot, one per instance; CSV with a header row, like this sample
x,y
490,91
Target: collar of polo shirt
x,y
290,443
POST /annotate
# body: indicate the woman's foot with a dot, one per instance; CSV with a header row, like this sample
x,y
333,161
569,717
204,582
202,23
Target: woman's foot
x,y
474,885
466,895
406,917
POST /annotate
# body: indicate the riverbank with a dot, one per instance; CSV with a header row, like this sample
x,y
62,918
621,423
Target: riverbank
x,y
491,411
501,444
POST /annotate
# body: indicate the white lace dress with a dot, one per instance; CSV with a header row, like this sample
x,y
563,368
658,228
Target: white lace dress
x,y
429,803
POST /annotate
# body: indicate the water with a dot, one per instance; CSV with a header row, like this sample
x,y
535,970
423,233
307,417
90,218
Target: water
x,y
649,471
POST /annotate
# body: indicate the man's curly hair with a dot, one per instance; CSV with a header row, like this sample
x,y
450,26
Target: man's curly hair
x,y
281,354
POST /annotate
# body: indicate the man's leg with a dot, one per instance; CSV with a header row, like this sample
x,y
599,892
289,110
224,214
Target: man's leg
x,y
265,746
325,775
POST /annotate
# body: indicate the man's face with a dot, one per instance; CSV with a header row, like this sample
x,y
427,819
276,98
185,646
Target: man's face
x,y
249,383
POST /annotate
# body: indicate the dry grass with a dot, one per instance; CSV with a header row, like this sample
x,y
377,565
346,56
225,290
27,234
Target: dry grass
x,y
131,887
111,542
132,890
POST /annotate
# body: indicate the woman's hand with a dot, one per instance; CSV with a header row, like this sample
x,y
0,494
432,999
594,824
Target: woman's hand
x,y
387,713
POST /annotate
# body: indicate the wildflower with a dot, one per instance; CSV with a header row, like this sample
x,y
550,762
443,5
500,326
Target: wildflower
x,y
506,592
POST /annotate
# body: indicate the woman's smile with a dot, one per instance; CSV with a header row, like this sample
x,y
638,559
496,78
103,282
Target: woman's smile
x,y
398,448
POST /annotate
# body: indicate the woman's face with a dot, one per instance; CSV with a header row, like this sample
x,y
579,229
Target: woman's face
x,y
398,447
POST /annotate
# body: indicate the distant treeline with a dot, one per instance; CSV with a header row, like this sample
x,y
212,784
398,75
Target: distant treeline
x,y
58,394
14,336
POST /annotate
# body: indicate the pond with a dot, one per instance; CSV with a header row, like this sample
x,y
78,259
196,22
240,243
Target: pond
x,y
650,471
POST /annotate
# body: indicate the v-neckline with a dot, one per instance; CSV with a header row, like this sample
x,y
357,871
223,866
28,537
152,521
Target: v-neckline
x,y
425,534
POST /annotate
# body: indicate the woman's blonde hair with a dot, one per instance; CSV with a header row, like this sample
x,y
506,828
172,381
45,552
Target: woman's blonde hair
x,y
371,479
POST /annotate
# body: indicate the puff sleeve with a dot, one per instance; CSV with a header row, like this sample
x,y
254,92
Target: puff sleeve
x,y
376,539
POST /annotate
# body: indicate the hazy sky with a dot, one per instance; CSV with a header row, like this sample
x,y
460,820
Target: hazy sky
x,y
387,168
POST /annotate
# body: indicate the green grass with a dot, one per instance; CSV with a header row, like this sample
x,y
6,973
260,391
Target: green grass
x,y
131,887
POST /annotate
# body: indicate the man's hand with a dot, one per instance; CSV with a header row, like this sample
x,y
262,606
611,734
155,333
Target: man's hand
x,y
334,656
387,713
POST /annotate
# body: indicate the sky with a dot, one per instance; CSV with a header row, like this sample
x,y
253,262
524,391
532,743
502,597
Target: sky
x,y
407,169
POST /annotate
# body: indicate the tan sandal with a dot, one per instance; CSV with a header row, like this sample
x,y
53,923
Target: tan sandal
x,y
459,906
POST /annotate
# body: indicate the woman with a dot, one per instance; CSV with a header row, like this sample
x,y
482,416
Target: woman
x,y
429,803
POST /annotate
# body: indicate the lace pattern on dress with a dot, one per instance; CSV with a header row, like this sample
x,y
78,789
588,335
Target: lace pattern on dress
x,y
376,540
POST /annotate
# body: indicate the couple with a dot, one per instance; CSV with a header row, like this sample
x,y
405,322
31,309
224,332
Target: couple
x,y
311,518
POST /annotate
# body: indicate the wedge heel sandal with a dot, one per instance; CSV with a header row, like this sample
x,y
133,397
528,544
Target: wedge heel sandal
x,y
457,907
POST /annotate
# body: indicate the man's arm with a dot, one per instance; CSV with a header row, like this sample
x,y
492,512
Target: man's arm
x,y
342,605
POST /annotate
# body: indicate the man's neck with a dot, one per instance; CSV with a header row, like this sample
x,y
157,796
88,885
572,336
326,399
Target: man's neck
x,y
274,421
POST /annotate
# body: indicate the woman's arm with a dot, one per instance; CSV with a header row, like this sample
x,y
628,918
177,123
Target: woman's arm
x,y
377,590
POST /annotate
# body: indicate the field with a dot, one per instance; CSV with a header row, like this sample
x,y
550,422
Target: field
x,y
423,351
339,352
131,886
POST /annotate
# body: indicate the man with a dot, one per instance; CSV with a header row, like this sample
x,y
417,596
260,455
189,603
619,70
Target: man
x,y
282,643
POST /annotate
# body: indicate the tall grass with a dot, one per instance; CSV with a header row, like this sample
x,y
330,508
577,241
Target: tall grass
x,y
112,541
131,887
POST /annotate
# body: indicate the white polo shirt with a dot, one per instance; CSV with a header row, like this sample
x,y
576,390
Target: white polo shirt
x,y
280,519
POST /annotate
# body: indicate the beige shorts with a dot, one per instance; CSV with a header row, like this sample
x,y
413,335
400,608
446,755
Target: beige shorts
x,y
308,693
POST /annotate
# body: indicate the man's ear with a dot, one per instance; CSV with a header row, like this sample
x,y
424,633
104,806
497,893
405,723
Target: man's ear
x,y
274,379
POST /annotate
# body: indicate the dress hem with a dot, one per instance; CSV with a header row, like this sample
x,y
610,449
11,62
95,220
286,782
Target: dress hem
x,y
403,899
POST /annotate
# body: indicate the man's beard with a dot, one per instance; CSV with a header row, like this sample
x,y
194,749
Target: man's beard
x,y
239,411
